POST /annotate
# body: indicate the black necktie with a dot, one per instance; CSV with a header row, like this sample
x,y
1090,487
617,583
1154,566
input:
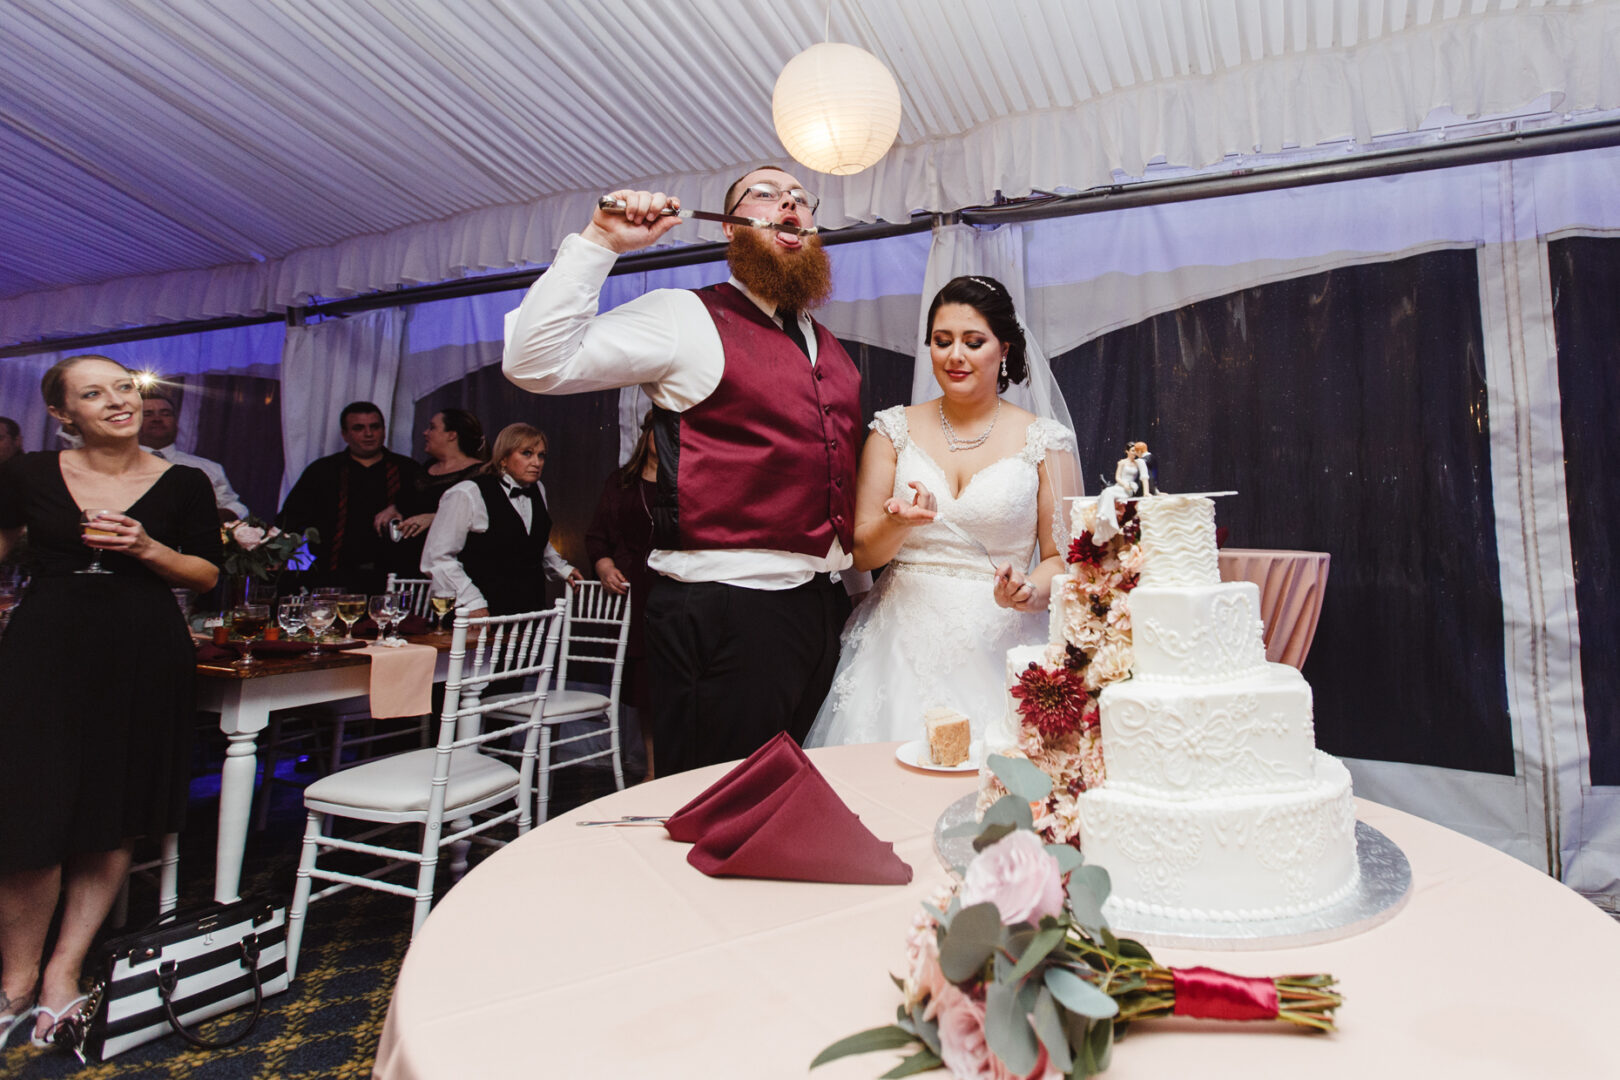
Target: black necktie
x,y
790,327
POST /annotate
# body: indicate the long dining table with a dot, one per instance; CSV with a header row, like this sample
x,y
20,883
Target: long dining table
x,y
600,952
244,698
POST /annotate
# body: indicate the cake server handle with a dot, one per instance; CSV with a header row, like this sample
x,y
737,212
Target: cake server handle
x,y
969,537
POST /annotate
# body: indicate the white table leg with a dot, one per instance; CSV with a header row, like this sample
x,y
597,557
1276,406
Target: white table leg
x,y
235,808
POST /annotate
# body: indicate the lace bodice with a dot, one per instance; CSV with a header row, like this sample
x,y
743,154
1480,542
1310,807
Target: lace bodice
x,y
997,506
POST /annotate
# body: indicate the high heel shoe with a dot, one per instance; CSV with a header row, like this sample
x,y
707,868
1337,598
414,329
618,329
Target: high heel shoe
x,y
14,1013
58,1018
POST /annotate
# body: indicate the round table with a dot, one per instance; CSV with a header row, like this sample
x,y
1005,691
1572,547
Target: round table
x,y
600,952
1291,587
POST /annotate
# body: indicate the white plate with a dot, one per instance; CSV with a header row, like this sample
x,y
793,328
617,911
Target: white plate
x,y
915,753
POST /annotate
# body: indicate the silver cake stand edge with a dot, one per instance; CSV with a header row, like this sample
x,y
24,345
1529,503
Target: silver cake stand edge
x,y
1381,891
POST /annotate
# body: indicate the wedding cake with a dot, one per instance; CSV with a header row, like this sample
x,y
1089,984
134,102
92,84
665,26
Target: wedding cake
x,y
1209,800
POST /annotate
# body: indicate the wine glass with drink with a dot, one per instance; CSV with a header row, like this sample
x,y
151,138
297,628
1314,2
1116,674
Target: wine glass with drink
x,y
382,613
443,603
249,624
351,608
290,614
88,527
319,614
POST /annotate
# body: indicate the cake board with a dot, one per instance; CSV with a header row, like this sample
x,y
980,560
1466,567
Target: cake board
x,y
1381,892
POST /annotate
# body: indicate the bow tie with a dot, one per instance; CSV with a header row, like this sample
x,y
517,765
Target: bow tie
x,y
529,492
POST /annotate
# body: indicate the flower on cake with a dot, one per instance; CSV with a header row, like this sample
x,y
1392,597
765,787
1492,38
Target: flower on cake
x,y
1050,700
1014,974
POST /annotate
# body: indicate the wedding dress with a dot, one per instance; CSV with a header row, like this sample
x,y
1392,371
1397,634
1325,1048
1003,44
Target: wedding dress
x,y
930,632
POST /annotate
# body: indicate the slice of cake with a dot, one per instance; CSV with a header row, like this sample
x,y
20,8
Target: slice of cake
x,y
948,735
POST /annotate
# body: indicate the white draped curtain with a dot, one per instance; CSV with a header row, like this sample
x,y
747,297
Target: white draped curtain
x,y
325,366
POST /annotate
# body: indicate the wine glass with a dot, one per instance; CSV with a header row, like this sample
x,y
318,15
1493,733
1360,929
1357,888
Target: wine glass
x,y
290,614
87,527
319,614
443,603
383,612
351,608
249,624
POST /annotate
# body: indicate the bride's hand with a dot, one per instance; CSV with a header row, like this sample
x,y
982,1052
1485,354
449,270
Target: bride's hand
x,y
919,511
1013,591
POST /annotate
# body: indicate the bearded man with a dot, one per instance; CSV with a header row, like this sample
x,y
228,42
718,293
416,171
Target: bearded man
x,y
757,423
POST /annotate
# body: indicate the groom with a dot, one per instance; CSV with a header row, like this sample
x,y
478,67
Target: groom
x,y
757,422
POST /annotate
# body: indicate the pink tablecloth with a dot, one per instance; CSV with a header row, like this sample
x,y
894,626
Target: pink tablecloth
x,y
600,952
1291,586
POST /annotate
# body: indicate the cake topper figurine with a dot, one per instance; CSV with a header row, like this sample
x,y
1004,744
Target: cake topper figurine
x,y
1135,476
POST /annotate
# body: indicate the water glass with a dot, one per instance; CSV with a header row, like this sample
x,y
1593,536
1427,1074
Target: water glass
x,y
319,614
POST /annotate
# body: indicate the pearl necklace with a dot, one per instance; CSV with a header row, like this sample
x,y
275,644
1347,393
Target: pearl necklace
x,y
953,443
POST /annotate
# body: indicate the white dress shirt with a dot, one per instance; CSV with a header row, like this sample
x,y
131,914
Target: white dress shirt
x,y
462,511
224,496
664,340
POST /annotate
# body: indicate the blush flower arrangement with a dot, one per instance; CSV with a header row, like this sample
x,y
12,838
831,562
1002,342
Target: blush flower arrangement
x,y
1059,729
257,550
1014,972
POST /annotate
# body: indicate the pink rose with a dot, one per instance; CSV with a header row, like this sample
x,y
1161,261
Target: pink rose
x,y
248,536
962,1046
1018,876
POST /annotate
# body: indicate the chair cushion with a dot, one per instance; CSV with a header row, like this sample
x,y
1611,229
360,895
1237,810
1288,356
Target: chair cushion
x,y
402,783
575,703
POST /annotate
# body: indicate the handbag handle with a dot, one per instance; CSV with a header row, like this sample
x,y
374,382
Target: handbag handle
x,y
169,976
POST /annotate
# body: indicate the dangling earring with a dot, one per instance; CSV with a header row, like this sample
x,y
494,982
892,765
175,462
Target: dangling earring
x,y
1003,367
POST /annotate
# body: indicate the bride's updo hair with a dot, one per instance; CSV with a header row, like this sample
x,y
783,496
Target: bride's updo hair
x,y
994,304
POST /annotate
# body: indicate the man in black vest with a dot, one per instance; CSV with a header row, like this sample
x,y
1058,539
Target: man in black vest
x,y
757,422
344,496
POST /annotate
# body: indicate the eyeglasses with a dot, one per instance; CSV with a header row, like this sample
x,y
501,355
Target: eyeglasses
x,y
763,194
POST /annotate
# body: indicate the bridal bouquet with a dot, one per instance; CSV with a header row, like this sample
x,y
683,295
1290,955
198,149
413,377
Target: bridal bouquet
x,y
1014,972
1058,700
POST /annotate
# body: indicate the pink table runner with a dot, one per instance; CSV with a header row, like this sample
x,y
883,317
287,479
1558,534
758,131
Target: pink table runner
x,y
401,679
1291,586
619,959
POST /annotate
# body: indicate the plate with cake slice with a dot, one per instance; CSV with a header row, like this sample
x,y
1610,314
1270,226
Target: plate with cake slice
x,y
947,747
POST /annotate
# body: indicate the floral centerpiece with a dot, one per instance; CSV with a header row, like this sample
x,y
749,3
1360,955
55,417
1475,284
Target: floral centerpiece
x,y
258,551
1059,728
1015,973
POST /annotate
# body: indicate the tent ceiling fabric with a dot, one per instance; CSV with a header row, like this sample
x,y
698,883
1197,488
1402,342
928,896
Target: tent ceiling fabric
x,y
184,159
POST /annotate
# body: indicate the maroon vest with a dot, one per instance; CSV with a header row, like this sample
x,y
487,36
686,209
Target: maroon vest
x,y
768,459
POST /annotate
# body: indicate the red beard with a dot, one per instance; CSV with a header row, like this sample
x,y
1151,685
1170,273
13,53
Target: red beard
x,y
800,280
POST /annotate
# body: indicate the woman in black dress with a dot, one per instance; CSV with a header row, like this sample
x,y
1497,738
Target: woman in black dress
x,y
617,543
456,450
95,676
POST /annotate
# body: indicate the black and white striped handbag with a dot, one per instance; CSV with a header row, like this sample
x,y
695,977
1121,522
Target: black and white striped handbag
x,y
187,967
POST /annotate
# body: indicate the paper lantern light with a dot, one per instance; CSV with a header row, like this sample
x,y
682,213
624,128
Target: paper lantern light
x,y
836,108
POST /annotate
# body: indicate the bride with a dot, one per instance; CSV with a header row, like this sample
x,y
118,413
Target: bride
x,y
937,480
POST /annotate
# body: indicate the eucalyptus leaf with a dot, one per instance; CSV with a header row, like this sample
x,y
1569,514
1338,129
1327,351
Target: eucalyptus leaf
x,y
1038,949
1067,855
928,1032
992,833
1021,777
920,1062
973,937
1077,1027
1088,888
1079,996
1131,949
1009,810
1049,1027
865,1042
1100,1043
1007,1031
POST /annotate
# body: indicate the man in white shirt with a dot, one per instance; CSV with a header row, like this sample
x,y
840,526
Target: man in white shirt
x,y
159,426
757,423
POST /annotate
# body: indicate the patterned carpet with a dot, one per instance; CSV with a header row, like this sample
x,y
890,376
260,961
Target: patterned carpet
x,y
328,1023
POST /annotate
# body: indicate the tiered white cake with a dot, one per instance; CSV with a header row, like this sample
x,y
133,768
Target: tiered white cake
x,y
1217,805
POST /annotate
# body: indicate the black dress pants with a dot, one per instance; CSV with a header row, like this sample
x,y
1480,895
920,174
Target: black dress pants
x,y
731,667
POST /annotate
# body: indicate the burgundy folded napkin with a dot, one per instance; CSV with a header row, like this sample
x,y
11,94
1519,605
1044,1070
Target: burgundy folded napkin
x,y
208,652
410,624
775,816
